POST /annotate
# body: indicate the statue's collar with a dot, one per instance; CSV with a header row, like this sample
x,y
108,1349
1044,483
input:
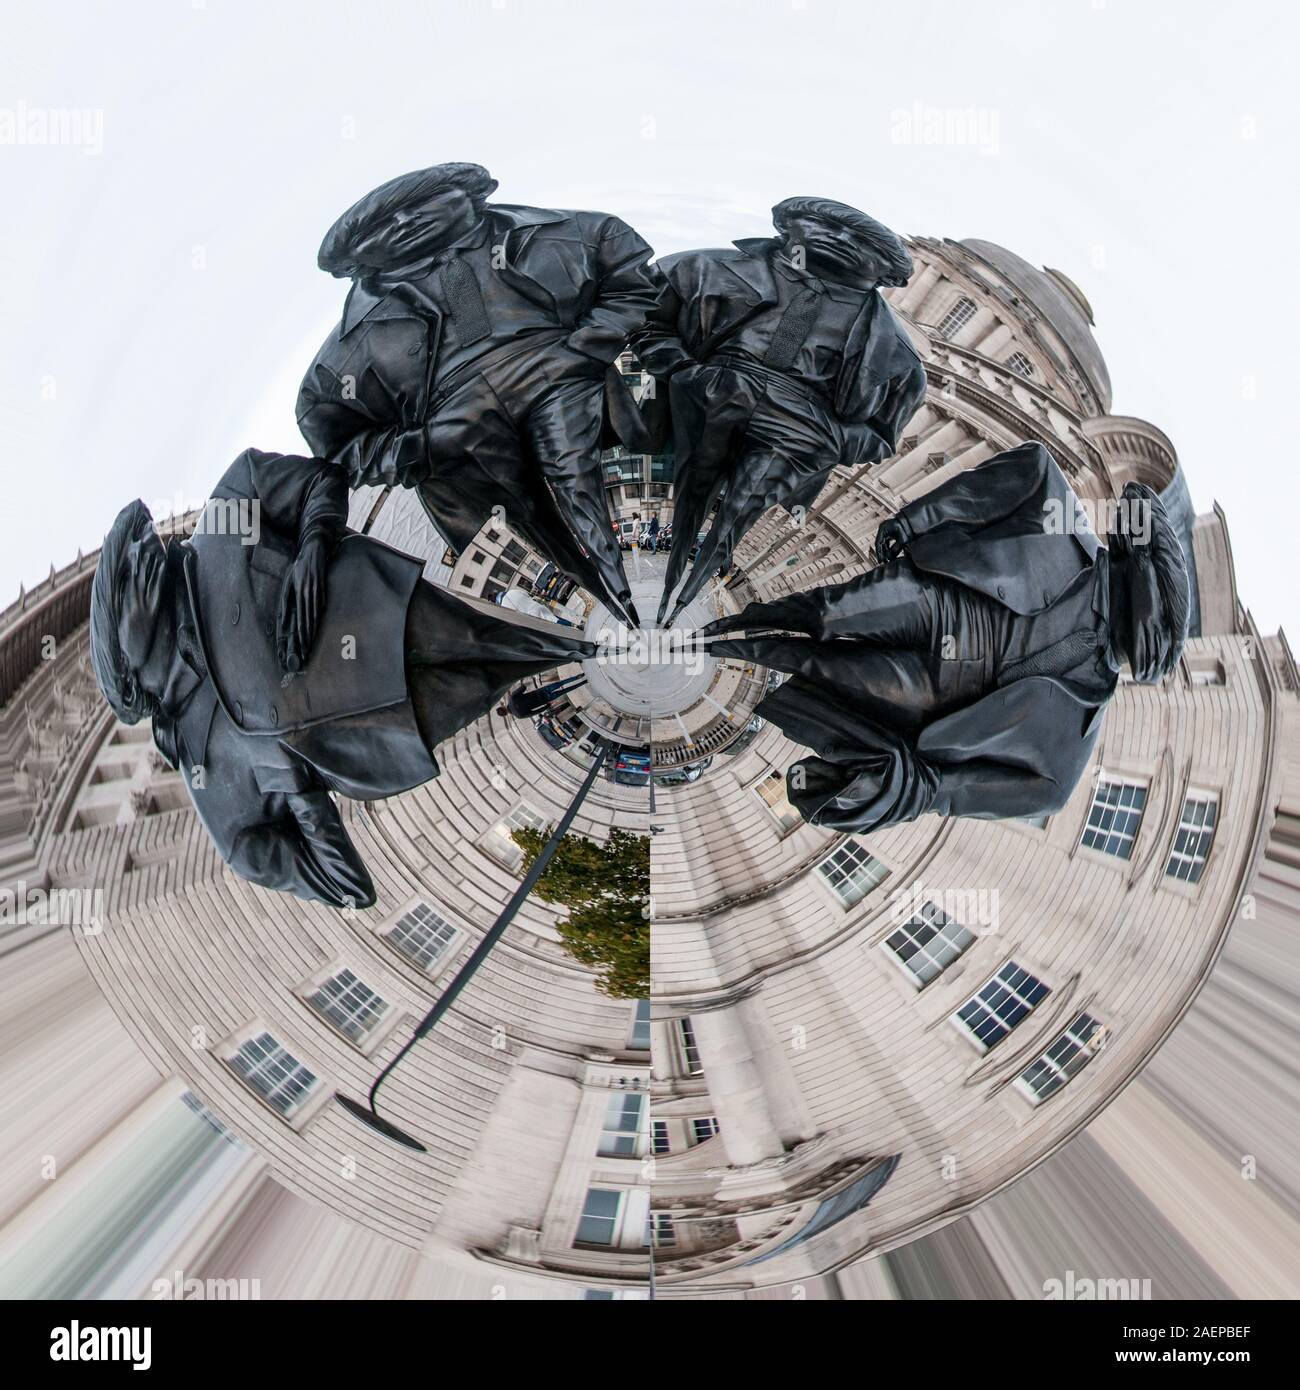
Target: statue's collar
x,y
770,252
1102,605
373,297
188,669
513,215
756,245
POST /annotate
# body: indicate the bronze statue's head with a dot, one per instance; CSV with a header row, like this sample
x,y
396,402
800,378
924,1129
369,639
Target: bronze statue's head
x,y
1149,587
841,242
406,220
130,595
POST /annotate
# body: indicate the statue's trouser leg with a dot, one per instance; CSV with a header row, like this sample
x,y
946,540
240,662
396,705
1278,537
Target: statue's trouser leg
x,y
709,415
694,492
896,688
742,503
478,465
439,627
861,716
790,438
889,605
862,710
727,548
450,697
759,481
460,661
563,433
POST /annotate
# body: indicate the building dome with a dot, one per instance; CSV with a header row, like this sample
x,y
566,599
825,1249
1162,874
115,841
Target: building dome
x,y
1059,302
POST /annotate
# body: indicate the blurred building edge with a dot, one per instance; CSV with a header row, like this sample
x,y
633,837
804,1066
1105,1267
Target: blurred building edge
x,y
954,1002
172,1035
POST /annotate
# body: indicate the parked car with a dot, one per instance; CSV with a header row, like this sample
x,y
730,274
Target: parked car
x,y
628,530
632,769
747,737
688,772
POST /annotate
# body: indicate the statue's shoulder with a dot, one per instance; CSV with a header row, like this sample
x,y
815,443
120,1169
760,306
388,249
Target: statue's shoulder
x,y
591,226
699,261
252,471
509,216
590,217
888,314
1038,459
237,480
1029,455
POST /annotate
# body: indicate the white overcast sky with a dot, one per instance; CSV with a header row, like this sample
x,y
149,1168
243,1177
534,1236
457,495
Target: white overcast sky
x,y
160,297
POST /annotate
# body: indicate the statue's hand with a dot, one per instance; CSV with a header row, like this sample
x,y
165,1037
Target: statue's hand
x,y
302,600
892,539
862,445
568,363
687,373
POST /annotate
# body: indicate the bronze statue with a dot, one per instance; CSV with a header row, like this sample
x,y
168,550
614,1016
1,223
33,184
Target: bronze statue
x,y
312,661
782,360
968,673
473,362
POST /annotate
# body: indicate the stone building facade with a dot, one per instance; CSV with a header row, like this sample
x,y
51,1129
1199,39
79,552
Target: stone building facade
x,y
890,1029
828,1095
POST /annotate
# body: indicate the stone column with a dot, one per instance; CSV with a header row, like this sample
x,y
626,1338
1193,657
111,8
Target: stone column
x,y
973,454
736,1087
902,473
915,294
992,343
772,1056
971,332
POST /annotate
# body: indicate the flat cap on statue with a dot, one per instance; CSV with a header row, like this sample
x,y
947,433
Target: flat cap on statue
x,y
369,214
889,244
1154,554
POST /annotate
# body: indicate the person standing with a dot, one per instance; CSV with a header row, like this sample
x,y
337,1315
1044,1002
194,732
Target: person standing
x,y
636,544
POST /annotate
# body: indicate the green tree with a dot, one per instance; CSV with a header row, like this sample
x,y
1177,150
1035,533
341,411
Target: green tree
x,y
607,888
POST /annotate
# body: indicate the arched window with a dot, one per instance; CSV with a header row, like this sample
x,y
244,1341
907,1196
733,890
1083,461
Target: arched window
x,y
957,318
1020,364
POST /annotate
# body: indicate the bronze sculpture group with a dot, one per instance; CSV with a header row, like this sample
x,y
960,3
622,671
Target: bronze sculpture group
x,y
966,674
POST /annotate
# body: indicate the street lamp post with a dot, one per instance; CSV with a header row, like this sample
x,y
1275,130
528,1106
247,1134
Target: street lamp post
x,y
367,1113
